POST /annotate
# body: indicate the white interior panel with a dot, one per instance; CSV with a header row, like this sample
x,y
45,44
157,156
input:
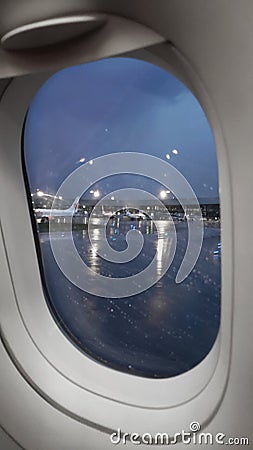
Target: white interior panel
x,y
212,48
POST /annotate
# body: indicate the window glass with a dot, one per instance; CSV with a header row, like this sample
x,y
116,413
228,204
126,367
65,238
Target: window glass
x,y
122,172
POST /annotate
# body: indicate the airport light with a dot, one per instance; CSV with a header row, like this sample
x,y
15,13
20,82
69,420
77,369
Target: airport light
x,y
163,195
167,156
175,151
40,193
91,162
96,194
81,160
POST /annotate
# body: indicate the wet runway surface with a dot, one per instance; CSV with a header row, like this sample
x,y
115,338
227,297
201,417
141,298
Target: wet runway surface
x,y
162,332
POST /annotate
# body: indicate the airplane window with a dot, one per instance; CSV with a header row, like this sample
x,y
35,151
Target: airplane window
x,y
121,173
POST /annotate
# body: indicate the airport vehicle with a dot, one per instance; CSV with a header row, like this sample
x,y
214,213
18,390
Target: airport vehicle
x,y
52,395
179,217
45,215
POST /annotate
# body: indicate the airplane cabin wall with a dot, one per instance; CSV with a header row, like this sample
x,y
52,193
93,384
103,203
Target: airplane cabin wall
x,y
216,38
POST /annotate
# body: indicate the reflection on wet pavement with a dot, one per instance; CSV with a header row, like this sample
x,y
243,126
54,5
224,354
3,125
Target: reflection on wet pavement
x,y
162,332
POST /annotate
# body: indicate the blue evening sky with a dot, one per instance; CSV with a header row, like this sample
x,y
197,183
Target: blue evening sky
x,y
115,105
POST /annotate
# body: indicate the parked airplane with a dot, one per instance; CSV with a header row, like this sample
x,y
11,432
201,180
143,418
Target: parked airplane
x,y
126,213
135,216
44,215
108,213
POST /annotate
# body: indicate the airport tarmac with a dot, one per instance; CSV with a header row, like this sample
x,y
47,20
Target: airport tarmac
x,y
162,332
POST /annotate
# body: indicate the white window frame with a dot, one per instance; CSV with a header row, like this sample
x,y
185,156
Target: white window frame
x,y
72,382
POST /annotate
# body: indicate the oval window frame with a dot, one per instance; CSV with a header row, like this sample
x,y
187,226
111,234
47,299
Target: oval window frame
x,y
93,384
